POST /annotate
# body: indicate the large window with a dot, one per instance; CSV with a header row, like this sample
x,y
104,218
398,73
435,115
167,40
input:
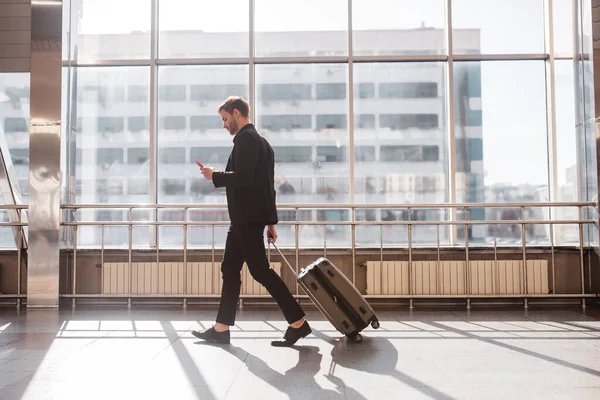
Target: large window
x,y
381,125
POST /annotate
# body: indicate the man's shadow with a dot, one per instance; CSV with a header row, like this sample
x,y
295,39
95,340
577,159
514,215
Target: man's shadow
x,y
298,383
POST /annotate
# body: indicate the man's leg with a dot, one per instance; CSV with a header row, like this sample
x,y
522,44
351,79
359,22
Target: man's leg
x,y
251,241
231,267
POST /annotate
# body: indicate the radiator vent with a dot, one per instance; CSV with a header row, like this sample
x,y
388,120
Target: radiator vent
x,y
449,277
167,278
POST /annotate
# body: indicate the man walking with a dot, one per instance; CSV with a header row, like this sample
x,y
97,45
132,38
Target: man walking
x,y
249,182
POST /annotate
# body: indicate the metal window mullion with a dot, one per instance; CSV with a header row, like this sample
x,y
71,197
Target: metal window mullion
x,y
351,109
351,139
309,59
551,109
579,80
576,83
153,140
498,57
251,71
399,58
450,122
72,180
203,61
108,63
563,56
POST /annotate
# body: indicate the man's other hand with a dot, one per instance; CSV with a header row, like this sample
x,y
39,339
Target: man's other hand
x,y
272,233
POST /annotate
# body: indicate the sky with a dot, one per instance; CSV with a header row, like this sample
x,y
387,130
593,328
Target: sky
x,y
513,93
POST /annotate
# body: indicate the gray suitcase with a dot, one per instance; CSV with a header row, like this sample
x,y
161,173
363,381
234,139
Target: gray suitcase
x,y
336,297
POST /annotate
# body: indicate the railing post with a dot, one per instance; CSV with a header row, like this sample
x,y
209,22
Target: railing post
x,y
467,266
581,263
410,277
524,248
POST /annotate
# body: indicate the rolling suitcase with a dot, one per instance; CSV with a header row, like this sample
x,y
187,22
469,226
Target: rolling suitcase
x,y
335,296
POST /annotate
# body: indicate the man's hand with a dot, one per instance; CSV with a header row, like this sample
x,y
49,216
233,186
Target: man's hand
x,y
207,172
272,233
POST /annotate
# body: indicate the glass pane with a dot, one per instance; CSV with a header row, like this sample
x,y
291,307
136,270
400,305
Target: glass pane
x,y
587,60
330,233
406,27
301,29
401,157
170,236
482,26
112,236
190,128
192,28
66,26
310,135
14,127
286,234
566,148
202,235
109,167
591,160
563,26
501,137
110,29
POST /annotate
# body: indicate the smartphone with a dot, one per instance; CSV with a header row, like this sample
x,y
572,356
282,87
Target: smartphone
x,y
199,164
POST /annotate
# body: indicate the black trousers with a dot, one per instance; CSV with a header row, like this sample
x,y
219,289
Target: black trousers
x,y
246,243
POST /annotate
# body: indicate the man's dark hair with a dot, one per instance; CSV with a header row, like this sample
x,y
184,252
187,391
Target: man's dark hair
x,y
235,103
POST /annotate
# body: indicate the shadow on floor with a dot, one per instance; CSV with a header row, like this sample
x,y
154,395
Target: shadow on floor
x,y
377,357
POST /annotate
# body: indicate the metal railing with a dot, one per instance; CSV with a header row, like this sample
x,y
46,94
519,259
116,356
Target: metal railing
x,y
19,225
409,226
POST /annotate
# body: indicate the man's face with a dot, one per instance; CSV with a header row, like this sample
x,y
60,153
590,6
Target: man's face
x,y
229,122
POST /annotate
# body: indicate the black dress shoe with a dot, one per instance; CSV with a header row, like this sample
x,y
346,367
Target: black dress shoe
x,y
292,335
212,336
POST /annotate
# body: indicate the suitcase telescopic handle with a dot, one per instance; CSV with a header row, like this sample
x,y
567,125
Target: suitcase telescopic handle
x,y
282,256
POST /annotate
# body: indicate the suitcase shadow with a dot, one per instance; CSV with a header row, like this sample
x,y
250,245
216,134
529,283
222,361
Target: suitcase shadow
x,y
298,382
377,356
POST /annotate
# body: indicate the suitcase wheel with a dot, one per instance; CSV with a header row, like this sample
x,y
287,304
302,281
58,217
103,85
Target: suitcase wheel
x,y
375,324
357,338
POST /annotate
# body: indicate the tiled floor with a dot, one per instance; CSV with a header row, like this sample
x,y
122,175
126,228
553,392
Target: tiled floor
x,y
112,353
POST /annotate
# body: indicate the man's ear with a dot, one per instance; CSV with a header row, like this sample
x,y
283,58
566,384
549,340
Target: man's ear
x,y
236,113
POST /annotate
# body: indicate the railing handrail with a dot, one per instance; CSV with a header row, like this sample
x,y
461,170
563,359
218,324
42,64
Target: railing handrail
x,y
336,206
14,206
332,223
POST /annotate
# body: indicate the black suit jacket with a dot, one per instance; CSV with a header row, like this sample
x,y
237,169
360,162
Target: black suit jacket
x,y
249,179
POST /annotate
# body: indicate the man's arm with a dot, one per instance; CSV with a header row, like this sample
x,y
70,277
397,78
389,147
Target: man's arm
x,y
246,158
